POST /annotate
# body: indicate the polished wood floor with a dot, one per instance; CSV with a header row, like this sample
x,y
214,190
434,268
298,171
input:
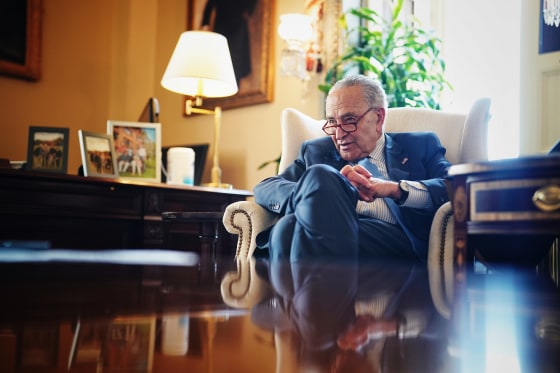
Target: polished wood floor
x,y
193,314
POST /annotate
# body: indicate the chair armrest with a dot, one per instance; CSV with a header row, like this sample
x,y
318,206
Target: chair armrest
x,y
440,259
247,219
244,288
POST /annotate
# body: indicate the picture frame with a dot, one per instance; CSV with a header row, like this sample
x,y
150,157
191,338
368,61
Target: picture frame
x,y
87,345
549,34
98,154
129,345
137,146
38,345
20,45
257,86
47,149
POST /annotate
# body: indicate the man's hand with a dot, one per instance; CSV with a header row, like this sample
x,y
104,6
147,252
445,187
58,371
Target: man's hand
x,y
365,329
369,188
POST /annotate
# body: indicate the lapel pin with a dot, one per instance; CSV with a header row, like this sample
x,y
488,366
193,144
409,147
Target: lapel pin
x,y
404,160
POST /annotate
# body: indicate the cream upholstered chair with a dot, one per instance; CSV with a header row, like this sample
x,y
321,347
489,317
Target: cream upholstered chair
x,y
463,135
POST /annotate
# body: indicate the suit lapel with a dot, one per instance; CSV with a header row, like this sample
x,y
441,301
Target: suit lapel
x,y
336,160
396,159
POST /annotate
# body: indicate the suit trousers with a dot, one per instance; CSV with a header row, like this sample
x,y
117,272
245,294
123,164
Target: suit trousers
x,y
321,221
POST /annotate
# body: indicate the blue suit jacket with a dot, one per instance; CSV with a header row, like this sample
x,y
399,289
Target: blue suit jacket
x,y
414,156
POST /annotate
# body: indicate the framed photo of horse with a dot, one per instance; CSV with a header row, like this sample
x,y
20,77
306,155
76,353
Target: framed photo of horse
x,y
98,154
47,149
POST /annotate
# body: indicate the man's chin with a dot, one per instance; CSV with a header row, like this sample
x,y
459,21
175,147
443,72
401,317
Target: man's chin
x,y
347,156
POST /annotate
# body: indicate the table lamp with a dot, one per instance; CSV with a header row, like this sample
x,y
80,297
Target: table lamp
x,y
201,67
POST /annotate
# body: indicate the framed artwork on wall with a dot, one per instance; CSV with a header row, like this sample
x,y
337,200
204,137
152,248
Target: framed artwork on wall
x,y
248,26
20,38
137,146
47,149
549,27
98,154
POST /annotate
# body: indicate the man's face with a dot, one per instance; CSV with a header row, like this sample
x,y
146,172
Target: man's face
x,y
347,104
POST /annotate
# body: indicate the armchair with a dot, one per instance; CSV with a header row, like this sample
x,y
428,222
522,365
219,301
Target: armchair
x,y
463,135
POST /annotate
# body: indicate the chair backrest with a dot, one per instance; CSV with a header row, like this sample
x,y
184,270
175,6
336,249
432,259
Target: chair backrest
x,y
465,136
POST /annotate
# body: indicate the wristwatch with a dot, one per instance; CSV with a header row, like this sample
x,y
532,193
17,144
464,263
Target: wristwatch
x,y
405,189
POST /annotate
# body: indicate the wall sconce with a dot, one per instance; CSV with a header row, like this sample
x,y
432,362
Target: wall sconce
x,y
201,67
296,30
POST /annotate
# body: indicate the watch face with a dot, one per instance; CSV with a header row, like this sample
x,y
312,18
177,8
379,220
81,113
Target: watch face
x,y
404,186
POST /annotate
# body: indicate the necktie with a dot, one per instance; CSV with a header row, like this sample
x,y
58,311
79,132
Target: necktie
x,y
391,204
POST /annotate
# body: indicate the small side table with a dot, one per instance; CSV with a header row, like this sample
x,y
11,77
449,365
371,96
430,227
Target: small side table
x,y
506,212
506,208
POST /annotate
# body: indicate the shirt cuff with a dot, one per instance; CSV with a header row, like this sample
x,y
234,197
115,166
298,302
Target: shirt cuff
x,y
418,196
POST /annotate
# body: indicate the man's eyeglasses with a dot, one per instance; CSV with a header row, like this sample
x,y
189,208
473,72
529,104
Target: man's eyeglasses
x,y
330,125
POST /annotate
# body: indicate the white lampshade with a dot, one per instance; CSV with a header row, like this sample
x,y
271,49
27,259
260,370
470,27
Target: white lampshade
x,y
201,66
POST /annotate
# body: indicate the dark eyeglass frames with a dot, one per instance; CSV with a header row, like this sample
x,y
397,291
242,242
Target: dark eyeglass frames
x,y
330,125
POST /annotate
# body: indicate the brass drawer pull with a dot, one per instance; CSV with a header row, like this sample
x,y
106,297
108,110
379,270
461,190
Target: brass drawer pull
x,y
547,198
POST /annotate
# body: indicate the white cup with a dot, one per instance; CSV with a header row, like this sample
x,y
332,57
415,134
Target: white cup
x,y
180,166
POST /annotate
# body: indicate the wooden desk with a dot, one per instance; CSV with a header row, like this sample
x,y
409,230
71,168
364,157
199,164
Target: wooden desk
x,y
509,210
69,211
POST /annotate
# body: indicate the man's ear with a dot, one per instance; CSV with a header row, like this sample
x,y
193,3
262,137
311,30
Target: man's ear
x,y
381,112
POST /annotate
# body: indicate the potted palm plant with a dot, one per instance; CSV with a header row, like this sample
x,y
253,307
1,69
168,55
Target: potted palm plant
x,y
401,54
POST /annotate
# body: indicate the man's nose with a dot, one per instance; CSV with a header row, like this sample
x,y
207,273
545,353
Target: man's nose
x,y
340,133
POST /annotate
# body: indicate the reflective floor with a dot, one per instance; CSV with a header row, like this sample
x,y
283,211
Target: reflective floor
x,y
192,314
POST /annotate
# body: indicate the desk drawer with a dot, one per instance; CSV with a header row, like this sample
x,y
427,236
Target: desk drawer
x,y
79,199
513,200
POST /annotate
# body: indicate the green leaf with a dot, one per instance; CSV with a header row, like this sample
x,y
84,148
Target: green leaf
x,y
400,53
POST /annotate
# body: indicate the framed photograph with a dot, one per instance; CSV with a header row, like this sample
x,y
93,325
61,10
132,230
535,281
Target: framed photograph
x,y
39,345
549,29
129,345
249,28
137,146
20,44
98,154
47,149
89,337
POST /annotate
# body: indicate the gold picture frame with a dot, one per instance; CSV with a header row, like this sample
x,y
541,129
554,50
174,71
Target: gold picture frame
x,y
257,86
20,50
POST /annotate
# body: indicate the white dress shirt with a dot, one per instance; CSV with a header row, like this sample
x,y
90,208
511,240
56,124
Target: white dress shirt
x,y
418,197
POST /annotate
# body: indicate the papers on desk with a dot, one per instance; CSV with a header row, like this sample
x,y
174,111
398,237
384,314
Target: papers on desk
x,y
126,256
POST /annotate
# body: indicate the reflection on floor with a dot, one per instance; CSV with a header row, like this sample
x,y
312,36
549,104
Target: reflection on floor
x,y
262,316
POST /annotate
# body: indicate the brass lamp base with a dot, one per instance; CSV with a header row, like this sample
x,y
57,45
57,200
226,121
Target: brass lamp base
x,y
216,172
218,185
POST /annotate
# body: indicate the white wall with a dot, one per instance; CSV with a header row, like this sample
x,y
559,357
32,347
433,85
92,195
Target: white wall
x,y
491,48
482,49
539,103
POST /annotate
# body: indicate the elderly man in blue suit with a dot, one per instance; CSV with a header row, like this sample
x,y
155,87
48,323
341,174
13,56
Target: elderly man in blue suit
x,y
358,191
